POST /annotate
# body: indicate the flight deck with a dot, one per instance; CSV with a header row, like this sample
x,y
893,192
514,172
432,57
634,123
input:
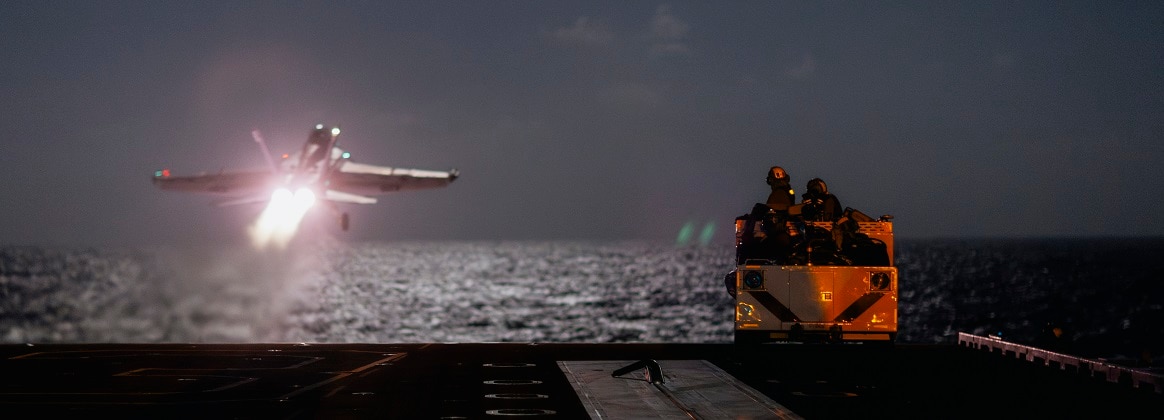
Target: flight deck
x,y
975,378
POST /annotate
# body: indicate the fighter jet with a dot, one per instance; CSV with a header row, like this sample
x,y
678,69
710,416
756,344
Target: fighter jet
x,y
320,171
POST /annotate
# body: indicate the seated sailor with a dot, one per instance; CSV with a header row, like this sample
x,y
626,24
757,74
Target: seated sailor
x,y
819,204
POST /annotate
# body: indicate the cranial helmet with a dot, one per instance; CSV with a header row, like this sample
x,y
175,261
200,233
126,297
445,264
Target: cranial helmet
x,y
817,185
777,173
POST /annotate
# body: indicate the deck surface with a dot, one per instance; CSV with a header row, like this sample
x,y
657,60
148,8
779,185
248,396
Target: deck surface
x,y
502,380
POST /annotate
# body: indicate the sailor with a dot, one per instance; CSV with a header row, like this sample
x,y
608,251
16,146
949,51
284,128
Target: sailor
x,y
819,204
782,197
766,234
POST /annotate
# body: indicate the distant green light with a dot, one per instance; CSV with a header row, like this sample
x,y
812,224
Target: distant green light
x,y
347,155
707,233
685,234
157,173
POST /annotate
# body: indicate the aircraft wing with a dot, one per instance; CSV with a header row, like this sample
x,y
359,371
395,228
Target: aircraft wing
x,y
364,179
343,197
226,184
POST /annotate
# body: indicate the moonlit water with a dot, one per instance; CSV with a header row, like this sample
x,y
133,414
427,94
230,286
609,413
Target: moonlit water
x,y
1105,294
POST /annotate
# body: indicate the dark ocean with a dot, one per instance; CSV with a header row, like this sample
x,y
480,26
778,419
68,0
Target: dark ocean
x,y
1105,295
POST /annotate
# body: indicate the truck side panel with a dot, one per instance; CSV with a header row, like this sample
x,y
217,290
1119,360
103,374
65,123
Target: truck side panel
x,y
816,303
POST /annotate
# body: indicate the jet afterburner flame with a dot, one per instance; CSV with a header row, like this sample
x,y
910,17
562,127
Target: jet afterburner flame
x,y
280,220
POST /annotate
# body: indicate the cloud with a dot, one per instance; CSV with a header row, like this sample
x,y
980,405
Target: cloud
x,y
585,32
668,33
805,69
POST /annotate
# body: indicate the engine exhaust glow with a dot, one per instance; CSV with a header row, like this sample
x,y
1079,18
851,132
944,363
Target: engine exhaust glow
x,y
277,225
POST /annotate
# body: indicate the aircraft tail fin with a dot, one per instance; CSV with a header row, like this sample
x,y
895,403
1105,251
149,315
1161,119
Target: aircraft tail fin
x,y
266,152
337,156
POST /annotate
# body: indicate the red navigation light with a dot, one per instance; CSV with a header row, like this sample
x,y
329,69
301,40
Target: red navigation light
x,y
165,173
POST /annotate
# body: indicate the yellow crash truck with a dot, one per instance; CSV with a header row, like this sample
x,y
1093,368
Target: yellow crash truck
x,y
829,282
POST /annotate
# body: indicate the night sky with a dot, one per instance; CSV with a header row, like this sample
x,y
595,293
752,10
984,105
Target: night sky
x,y
588,120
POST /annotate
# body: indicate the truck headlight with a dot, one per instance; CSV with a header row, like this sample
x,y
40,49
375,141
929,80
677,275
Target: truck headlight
x,y
753,280
880,281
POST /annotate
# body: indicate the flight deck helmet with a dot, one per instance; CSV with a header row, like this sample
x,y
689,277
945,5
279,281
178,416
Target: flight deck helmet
x,y
817,186
777,174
